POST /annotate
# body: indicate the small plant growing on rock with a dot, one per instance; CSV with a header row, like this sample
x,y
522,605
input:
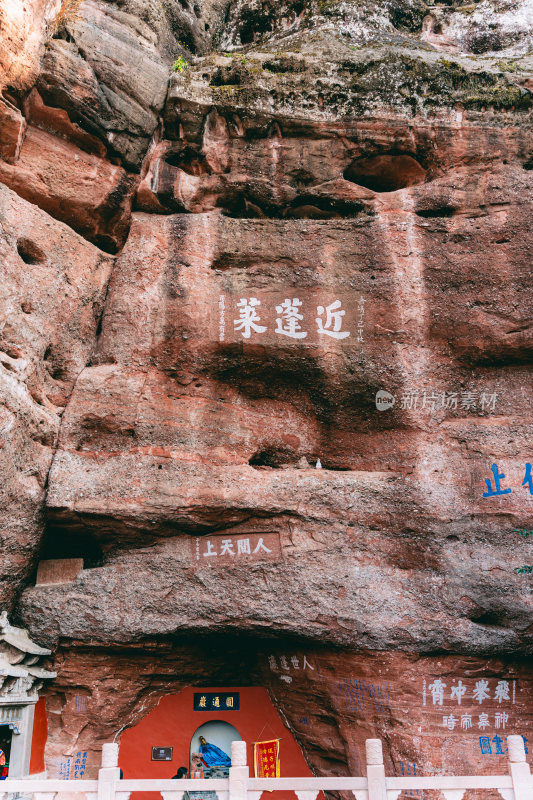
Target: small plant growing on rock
x,y
180,65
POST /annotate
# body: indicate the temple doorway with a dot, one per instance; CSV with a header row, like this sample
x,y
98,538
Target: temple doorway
x,y
167,736
5,750
218,736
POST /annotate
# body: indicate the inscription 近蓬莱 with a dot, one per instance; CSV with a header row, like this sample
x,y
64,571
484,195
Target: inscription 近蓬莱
x,y
305,317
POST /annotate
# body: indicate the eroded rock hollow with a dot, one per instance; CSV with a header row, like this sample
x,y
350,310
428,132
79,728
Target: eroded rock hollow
x,y
265,368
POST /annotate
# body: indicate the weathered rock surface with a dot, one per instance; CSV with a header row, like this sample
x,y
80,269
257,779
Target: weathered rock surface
x,y
88,193
53,286
173,432
111,74
24,29
373,157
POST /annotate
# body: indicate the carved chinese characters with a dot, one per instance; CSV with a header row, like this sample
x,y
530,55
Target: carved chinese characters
x,y
291,317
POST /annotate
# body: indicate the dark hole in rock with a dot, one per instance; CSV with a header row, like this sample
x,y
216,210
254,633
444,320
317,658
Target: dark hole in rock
x,y
98,331
483,41
186,38
255,21
241,207
310,211
59,543
284,64
529,163
486,618
174,159
385,173
303,207
54,364
433,213
11,350
409,16
246,34
274,458
301,178
310,207
106,243
189,161
225,77
30,252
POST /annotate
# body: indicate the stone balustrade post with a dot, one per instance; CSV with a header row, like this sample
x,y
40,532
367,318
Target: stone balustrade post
x,y
375,770
109,773
238,772
519,769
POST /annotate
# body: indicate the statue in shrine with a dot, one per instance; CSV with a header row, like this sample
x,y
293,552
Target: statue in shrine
x,y
212,755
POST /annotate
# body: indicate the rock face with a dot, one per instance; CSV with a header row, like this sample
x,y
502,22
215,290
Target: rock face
x,y
283,410
53,287
24,29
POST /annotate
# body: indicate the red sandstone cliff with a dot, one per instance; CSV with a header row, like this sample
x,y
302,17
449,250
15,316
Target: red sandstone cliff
x,y
318,151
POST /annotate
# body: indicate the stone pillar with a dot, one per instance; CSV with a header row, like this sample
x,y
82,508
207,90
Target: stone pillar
x,y
19,760
519,769
238,772
375,770
238,754
110,755
109,774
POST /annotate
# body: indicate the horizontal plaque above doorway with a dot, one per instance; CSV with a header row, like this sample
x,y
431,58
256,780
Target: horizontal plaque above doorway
x,y
216,701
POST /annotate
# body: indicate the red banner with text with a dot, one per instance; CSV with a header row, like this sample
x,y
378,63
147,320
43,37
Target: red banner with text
x,y
266,759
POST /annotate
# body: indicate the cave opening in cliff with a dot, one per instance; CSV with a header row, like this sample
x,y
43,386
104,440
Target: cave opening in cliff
x,y
386,173
66,543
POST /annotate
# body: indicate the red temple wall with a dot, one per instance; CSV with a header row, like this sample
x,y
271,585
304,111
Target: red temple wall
x,y
173,723
40,734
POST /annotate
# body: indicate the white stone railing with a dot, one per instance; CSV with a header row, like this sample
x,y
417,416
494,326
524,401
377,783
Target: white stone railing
x,y
516,785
